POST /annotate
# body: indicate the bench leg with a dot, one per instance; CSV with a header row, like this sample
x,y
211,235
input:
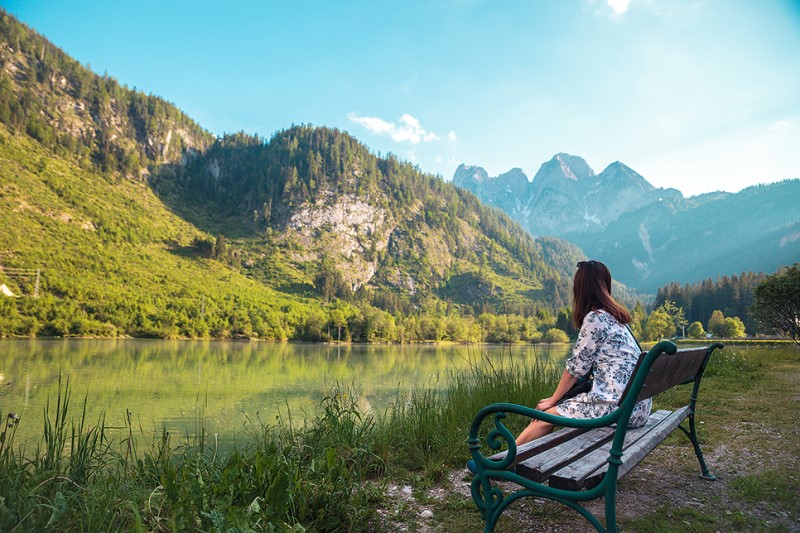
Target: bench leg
x,y
692,434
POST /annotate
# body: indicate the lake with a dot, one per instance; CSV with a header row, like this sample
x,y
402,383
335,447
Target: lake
x,y
231,384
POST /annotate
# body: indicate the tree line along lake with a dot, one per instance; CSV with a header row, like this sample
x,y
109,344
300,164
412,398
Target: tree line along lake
x,y
226,385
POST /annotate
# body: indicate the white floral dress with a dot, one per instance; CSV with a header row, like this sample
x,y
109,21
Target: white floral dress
x,y
606,347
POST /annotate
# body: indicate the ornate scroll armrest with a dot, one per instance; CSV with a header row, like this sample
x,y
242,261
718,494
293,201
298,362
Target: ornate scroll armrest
x,y
500,433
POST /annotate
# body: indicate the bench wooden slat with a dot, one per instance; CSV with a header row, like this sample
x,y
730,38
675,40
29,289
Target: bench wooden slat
x,y
540,466
573,476
539,445
589,470
639,449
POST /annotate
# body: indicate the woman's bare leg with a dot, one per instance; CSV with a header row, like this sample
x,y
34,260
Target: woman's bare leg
x,y
536,429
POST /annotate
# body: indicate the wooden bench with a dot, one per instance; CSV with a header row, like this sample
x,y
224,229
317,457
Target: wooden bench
x,y
584,460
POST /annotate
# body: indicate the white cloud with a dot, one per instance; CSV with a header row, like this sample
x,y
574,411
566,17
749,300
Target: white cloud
x,y
452,137
408,129
780,125
619,6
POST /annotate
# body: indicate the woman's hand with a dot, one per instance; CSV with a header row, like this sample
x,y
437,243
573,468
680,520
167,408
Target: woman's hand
x,y
546,403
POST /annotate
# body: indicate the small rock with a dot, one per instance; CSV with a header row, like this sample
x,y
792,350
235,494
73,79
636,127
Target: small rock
x,y
426,514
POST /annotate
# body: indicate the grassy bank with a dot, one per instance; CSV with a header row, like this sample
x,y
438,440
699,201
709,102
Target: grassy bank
x,y
346,470
328,474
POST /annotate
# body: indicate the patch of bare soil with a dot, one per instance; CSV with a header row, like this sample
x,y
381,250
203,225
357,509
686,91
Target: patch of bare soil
x,y
666,479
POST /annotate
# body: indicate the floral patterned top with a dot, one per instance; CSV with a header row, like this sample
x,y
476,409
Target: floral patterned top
x,y
608,348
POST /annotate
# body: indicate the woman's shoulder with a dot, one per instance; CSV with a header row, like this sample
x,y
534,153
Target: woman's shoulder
x,y
600,317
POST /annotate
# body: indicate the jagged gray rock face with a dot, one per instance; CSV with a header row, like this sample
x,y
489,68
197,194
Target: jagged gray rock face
x,y
565,196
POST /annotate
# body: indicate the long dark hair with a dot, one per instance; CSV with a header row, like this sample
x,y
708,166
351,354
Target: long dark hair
x,y
591,291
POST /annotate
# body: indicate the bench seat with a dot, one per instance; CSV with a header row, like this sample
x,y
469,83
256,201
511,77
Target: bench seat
x,y
588,471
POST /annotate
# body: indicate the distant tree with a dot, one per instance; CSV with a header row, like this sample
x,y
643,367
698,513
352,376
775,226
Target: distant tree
x,y
734,328
777,302
659,325
339,321
676,315
638,319
325,281
696,331
562,322
220,247
555,335
716,324
726,327
664,320
203,246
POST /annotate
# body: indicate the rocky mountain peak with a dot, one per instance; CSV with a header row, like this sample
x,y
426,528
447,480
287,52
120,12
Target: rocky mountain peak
x,y
514,176
573,167
621,175
565,196
467,176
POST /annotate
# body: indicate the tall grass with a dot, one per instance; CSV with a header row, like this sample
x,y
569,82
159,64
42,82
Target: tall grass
x,y
326,474
77,479
427,428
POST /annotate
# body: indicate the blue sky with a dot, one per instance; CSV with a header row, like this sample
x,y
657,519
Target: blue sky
x,y
700,95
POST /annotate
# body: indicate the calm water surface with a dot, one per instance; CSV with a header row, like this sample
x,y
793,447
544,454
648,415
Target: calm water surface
x,y
232,384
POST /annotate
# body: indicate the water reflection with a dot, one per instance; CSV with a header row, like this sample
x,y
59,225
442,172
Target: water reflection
x,y
172,382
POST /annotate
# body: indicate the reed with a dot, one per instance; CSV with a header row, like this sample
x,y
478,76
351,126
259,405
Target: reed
x,y
427,428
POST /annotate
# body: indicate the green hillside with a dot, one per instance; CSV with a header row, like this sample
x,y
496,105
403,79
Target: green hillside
x,y
115,260
140,223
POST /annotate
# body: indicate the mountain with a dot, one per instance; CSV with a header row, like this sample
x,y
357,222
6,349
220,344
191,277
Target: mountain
x,y
565,196
756,229
139,222
648,236
322,202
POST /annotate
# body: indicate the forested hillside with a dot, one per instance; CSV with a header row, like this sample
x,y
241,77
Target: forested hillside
x,y
756,229
321,202
91,119
141,223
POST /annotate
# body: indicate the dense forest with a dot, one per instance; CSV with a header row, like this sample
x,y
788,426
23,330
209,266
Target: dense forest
x,y
732,295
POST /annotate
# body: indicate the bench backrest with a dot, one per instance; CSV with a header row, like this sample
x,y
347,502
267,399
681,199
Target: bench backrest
x,y
669,370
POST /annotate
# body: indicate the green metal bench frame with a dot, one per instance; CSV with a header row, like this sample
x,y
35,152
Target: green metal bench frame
x,y
661,368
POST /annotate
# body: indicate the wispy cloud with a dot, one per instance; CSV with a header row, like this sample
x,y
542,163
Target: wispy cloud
x,y
408,128
619,6
780,125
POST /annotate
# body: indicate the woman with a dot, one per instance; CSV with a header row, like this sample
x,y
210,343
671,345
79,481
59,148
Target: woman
x,y
605,347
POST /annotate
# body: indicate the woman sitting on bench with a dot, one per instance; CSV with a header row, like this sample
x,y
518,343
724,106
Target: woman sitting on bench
x,y
605,347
